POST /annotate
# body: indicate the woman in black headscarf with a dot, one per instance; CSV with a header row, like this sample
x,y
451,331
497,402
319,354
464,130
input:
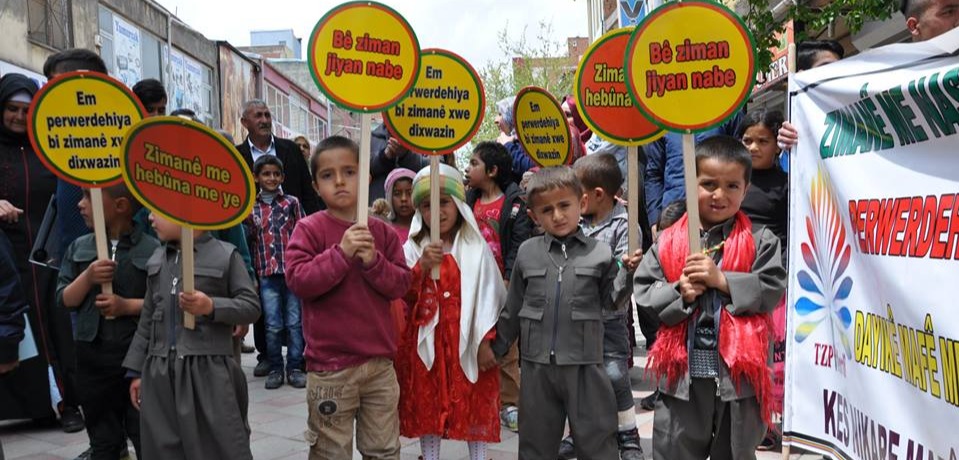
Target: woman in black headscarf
x,y
26,187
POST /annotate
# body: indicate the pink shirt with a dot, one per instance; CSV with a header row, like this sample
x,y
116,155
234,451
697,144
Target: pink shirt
x,y
346,307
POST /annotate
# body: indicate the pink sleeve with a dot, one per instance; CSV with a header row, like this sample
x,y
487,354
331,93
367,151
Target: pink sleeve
x,y
389,274
312,271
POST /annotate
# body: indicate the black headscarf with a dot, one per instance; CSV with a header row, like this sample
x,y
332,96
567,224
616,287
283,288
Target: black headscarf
x,y
10,84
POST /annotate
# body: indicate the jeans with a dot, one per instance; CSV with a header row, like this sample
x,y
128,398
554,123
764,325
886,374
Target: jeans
x,y
615,360
281,311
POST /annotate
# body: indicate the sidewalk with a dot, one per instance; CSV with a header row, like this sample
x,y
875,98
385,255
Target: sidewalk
x,y
278,418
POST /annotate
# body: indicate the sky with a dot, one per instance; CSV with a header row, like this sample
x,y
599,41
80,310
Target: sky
x,y
466,27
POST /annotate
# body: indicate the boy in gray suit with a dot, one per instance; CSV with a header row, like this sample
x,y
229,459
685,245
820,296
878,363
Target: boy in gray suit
x,y
560,286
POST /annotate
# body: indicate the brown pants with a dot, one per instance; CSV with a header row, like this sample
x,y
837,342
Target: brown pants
x,y
367,394
509,377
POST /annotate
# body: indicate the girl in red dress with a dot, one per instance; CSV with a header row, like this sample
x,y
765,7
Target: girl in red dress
x,y
449,383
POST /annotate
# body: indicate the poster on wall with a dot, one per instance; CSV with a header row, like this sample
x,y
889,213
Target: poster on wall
x,y
126,51
237,85
186,89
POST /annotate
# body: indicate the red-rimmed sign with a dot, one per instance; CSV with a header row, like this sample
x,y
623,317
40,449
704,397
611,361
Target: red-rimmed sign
x,y
445,108
187,173
690,65
364,56
77,123
602,96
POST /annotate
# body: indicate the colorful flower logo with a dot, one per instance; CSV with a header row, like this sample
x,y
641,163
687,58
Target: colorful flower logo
x,y
823,279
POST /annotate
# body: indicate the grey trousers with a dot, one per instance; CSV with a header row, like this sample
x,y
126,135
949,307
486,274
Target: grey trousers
x,y
706,426
550,394
194,408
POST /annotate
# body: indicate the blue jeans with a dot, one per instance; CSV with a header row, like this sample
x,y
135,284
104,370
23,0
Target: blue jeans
x,y
281,310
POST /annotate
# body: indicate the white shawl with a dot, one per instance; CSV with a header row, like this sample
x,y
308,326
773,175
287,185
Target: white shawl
x,y
482,290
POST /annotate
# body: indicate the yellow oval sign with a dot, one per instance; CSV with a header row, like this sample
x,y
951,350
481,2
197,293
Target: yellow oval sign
x,y
77,123
364,56
541,127
444,109
690,65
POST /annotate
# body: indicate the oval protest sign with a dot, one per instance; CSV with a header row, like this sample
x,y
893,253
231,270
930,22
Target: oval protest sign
x,y
602,96
541,127
444,109
364,56
187,173
77,123
690,65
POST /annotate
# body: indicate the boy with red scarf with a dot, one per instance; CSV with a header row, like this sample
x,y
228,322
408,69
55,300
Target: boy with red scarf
x,y
712,350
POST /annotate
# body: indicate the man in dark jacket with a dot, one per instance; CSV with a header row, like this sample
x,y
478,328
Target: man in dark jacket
x,y
258,122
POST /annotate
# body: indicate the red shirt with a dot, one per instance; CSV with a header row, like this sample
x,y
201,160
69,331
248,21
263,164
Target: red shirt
x,y
346,307
487,218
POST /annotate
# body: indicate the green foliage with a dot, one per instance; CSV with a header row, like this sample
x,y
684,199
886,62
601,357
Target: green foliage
x,y
854,13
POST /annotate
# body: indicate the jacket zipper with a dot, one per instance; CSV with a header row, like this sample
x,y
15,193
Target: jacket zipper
x,y
556,301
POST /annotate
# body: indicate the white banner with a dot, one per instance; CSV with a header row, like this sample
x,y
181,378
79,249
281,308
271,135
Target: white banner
x,y
872,366
126,51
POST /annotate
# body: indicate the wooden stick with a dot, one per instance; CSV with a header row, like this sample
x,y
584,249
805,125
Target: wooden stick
x,y
786,451
633,181
435,207
692,192
100,234
363,192
186,250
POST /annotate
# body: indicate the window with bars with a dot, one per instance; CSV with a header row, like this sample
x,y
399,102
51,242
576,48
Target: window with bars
x,y
49,23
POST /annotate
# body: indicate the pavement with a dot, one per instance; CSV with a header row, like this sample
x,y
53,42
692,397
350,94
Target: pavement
x,y
278,419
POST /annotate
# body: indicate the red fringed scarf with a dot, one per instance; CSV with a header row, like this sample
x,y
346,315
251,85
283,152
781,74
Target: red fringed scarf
x,y
743,340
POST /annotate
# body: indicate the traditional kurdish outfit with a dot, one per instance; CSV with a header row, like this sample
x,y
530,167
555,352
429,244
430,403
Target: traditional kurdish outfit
x,y
712,356
442,390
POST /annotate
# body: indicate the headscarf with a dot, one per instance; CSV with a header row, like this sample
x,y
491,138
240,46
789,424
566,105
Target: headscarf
x,y
451,183
482,292
584,132
505,108
395,175
12,84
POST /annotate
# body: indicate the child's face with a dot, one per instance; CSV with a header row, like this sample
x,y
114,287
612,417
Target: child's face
x,y
449,214
558,211
402,199
85,205
336,179
270,178
722,186
166,230
761,143
476,175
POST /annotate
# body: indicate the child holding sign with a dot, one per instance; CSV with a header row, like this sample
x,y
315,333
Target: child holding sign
x,y
712,345
449,384
193,398
102,343
346,274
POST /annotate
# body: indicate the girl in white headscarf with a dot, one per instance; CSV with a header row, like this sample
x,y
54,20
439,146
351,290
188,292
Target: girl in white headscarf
x,y
449,383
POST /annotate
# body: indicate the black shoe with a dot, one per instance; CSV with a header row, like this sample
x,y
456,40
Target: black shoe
x,y
629,446
649,402
770,442
566,449
246,349
262,368
296,378
71,420
274,380
85,455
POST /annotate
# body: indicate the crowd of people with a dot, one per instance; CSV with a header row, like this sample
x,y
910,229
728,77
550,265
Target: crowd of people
x,y
520,316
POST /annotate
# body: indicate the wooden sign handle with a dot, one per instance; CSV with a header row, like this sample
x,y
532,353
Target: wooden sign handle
x,y
634,182
186,250
692,192
363,192
435,207
100,234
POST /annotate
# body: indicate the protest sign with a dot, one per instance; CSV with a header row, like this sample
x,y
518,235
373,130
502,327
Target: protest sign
x,y
872,362
541,127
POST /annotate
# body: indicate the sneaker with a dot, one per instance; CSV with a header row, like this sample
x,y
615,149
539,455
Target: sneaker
x,y
629,446
770,442
71,420
649,402
509,417
274,380
262,368
296,378
566,449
